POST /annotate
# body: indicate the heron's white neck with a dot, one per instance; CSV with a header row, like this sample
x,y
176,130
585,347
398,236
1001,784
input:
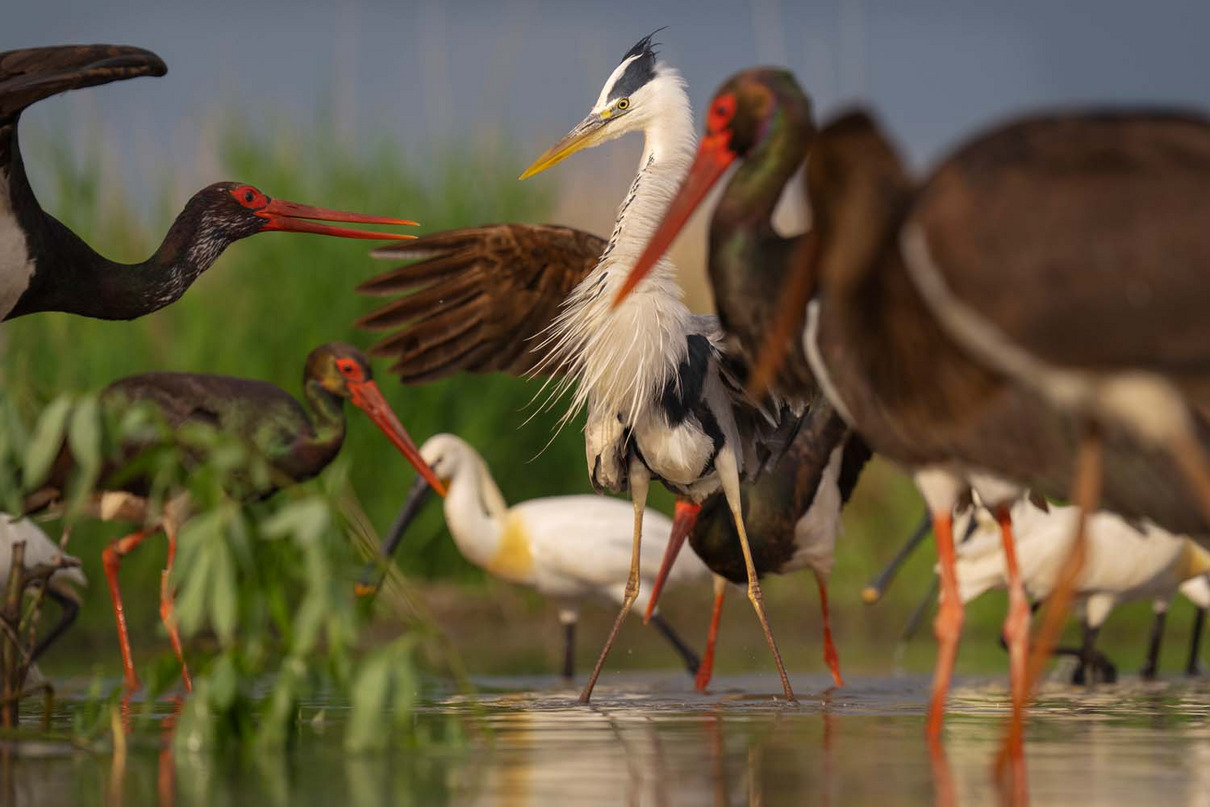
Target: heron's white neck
x,y
620,359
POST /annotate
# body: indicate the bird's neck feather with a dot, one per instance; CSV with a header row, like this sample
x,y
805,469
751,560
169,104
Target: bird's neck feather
x,y
475,511
621,358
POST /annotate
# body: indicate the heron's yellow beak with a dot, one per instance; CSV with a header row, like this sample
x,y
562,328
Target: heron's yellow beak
x,y
587,133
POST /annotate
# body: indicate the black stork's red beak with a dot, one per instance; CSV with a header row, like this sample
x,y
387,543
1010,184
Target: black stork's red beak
x,y
295,218
367,397
714,156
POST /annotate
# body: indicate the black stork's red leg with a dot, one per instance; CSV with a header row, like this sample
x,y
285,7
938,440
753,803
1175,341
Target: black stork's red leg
x,y
111,559
168,602
948,624
830,656
706,671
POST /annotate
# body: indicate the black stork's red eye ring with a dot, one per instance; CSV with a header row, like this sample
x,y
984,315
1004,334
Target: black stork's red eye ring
x,y
250,197
721,112
348,368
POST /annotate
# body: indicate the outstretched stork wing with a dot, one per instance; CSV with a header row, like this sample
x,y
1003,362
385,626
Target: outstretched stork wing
x,y
477,298
27,76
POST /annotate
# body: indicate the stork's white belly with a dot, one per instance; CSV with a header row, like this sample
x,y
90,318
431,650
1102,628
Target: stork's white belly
x,y
16,268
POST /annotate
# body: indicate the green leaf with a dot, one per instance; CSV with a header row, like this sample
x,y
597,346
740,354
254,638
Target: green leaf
x,y
367,730
46,442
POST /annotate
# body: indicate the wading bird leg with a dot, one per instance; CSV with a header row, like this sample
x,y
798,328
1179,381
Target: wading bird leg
x,y
706,671
640,480
692,662
947,626
168,602
69,608
1152,664
1193,666
569,618
728,474
1016,631
830,656
111,560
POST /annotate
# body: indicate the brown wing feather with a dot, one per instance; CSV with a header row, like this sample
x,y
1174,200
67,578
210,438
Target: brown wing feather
x,y
1099,222
27,76
476,297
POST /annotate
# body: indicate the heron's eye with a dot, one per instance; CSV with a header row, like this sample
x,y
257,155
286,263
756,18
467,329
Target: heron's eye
x,y
624,104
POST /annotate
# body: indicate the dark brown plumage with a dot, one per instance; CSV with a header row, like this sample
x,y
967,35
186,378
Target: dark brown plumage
x,y
479,298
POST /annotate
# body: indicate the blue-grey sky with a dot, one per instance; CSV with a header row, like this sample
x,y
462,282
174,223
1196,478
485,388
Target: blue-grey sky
x,y
425,72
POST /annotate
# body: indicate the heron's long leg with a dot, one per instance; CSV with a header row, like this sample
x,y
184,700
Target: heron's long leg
x,y
111,560
947,626
640,479
1016,629
168,602
830,656
706,671
728,473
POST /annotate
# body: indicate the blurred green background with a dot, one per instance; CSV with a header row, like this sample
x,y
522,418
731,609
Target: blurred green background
x,y
271,299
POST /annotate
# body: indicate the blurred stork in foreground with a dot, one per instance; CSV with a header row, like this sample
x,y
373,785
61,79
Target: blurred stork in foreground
x,y
568,548
40,550
910,387
659,388
44,266
793,512
298,444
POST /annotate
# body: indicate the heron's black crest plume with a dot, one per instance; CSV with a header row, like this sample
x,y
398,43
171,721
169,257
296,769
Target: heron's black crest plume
x,y
640,70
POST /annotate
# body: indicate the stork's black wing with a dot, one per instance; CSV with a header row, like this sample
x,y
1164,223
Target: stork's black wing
x,y
476,298
27,76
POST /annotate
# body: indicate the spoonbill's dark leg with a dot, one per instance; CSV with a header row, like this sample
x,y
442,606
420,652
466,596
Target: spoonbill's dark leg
x,y
692,662
111,559
1152,664
569,645
728,474
1193,666
948,624
1086,674
706,671
640,480
69,607
830,656
167,605
1016,628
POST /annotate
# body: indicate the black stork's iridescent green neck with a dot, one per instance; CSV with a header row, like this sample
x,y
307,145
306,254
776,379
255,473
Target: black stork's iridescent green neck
x,y
761,118
44,266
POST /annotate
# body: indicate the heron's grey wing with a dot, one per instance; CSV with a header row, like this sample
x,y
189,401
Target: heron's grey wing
x,y
476,297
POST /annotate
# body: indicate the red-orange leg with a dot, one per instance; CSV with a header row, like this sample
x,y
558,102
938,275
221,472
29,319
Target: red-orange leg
x,y
706,670
167,607
948,625
830,656
111,559
1016,636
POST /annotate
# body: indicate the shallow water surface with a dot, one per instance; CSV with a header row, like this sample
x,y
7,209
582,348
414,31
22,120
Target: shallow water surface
x,y
649,740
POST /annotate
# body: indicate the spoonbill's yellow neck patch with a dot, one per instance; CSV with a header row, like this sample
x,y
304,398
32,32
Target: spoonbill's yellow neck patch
x,y
514,559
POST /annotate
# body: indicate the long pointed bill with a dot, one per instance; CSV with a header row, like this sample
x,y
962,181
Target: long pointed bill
x,y
586,133
293,218
683,519
712,160
417,496
368,398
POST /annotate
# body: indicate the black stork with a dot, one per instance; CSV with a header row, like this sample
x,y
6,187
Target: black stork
x,y
297,442
893,372
44,266
794,516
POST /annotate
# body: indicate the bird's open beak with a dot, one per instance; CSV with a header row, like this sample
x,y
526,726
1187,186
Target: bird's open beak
x,y
714,156
683,519
368,399
586,133
367,586
295,218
